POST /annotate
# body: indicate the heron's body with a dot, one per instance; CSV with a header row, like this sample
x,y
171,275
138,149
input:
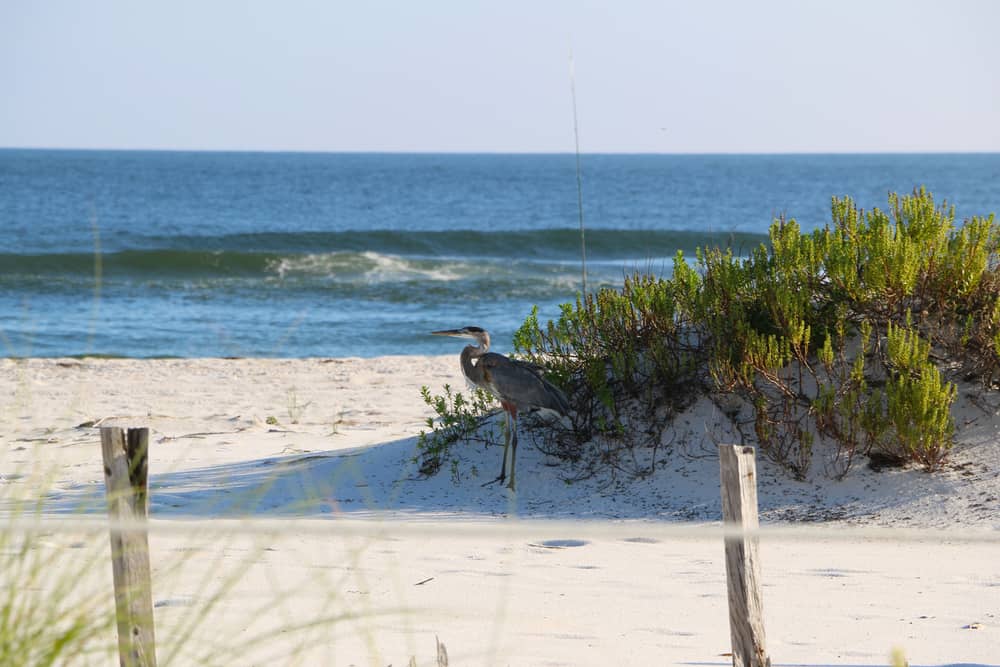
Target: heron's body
x,y
518,385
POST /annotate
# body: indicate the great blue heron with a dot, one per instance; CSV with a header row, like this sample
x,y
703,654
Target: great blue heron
x,y
518,385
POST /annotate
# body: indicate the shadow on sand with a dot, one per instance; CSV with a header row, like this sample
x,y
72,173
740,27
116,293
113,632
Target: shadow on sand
x,y
359,482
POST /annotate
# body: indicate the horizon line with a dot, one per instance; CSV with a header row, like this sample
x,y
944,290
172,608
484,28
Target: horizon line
x,y
489,152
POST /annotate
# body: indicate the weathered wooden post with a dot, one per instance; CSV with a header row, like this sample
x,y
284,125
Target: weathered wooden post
x,y
126,472
738,475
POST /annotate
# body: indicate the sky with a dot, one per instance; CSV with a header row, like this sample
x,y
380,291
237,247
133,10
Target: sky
x,y
475,76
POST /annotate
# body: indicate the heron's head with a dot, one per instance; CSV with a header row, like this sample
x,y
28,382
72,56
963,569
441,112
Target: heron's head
x,y
475,333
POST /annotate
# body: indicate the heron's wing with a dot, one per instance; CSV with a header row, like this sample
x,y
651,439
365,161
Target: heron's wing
x,y
521,384
537,369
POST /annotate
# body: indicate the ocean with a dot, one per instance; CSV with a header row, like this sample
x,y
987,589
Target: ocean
x,y
195,254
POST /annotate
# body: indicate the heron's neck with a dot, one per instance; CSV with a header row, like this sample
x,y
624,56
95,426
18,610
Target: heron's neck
x,y
475,351
471,352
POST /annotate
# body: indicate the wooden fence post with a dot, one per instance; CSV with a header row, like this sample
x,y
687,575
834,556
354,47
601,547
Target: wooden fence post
x,y
738,475
126,473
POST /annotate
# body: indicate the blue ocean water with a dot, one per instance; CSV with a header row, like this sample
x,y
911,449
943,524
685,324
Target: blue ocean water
x,y
148,254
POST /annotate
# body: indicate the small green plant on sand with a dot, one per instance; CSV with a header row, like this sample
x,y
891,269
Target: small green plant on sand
x,y
459,418
295,407
918,402
336,423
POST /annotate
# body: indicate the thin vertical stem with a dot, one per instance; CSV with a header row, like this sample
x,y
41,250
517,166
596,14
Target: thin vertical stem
x,y
579,179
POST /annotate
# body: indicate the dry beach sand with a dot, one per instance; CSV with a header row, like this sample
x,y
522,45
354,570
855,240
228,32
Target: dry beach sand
x,y
319,454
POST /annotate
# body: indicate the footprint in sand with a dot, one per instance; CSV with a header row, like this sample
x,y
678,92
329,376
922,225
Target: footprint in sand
x,y
558,544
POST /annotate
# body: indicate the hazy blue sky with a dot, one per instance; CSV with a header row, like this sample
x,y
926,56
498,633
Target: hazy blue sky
x,y
461,75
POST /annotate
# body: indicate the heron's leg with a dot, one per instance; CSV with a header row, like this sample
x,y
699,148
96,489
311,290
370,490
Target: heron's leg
x,y
506,443
506,446
513,447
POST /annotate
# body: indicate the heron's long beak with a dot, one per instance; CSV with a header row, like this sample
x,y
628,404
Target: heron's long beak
x,y
455,333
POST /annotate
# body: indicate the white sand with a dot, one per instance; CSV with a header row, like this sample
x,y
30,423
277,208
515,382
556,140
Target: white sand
x,y
355,533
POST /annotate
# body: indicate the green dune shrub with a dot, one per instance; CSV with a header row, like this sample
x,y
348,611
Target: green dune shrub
x,y
841,333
